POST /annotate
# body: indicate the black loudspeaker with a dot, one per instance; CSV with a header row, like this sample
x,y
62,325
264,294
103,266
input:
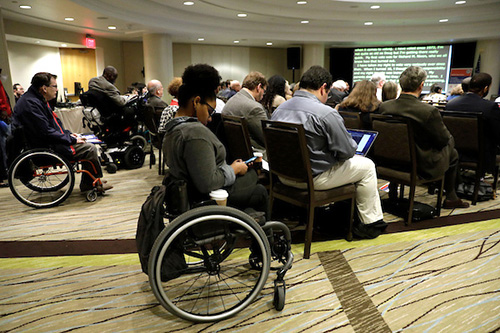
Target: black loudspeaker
x,y
293,57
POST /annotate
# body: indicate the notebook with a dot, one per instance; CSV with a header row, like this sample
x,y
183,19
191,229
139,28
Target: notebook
x,y
364,139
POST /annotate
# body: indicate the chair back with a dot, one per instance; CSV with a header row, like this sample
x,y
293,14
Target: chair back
x,y
149,119
287,151
467,130
395,145
352,120
100,101
237,137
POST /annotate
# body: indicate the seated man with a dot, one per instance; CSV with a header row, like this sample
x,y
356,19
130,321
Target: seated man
x,y
155,92
473,102
246,104
44,129
332,149
436,152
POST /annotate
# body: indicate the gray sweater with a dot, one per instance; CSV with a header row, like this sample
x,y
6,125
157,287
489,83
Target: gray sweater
x,y
195,154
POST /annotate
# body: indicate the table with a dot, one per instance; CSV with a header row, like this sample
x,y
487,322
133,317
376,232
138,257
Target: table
x,y
72,119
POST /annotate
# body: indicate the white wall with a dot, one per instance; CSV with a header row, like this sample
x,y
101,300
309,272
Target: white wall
x,y
26,60
231,62
490,53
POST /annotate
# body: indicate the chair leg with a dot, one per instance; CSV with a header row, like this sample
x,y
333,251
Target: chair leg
x,y
440,198
309,230
411,200
495,179
477,182
161,164
351,220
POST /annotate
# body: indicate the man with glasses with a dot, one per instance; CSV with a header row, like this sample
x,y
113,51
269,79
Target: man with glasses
x,y
18,91
43,129
246,104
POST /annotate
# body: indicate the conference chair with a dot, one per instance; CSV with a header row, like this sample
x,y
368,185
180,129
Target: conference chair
x,y
237,137
352,120
394,152
468,131
156,139
288,158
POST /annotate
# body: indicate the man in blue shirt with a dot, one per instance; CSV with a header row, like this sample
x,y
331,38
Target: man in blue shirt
x,y
332,149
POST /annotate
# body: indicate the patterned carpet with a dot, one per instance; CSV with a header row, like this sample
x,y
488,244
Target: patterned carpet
x,y
448,282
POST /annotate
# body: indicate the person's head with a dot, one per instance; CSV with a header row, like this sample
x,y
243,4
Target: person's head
x,y
18,89
362,97
318,81
466,83
389,91
256,83
235,85
46,84
457,90
173,86
155,88
412,79
340,85
197,92
110,73
436,89
480,84
276,85
378,79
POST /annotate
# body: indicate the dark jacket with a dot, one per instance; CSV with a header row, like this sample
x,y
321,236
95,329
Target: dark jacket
x,y
473,103
41,126
434,143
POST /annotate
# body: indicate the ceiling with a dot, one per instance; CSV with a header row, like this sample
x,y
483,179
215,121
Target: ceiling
x,y
333,23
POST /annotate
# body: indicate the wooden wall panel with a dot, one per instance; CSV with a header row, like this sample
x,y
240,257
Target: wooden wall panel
x,y
78,65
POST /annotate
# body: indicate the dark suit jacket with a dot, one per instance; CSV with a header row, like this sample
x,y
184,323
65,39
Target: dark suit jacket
x,y
474,103
335,97
158,104
435,145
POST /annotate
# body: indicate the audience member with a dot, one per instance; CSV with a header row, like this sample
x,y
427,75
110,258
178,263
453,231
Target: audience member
x,y
436,152
455,92
155,93
275,93
390,90
466,83
46,130
194,153
332,149
362,99
379,80
234,88
246,104
18,91
473,101
435,94
105,85
288,91
337,93
169,112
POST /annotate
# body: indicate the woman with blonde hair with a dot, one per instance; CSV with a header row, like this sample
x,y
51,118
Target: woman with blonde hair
x,y
363,98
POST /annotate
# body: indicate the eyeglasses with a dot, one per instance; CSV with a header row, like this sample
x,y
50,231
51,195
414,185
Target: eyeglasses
x,y
53,85
211,110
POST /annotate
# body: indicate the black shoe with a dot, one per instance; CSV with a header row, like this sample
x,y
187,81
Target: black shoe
x,y
366,231
380,224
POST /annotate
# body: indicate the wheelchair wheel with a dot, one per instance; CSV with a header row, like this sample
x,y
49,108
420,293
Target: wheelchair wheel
x,y
134,157
198,266
140,141
41,178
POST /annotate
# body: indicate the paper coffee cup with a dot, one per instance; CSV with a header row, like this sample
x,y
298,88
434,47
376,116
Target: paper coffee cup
x,y
220,196
259,157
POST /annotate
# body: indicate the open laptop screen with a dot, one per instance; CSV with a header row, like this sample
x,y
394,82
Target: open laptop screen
x,y
364,139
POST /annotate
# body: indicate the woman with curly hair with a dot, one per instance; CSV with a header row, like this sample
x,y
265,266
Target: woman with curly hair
x,y
275,93
363,98
194,153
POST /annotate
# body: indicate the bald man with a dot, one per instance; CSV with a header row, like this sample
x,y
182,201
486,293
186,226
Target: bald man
x,y
105,84
155,90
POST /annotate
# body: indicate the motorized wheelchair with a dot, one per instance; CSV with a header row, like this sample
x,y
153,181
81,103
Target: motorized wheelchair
x,y
117,128
212,261
41,177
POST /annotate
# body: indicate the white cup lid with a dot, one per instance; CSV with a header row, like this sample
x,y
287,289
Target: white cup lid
x,y
219,194
258,154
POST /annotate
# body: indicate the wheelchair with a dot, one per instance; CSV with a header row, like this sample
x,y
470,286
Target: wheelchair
x,y
211,262
42,178
117,127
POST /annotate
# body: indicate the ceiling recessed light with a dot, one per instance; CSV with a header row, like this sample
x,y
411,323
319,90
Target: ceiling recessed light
x,y
460,2
242,15
375,7
188,3
64,45
25,7
269,43
443,20
111,27
301,2
236,42
304,22
201,39
368,23
69,19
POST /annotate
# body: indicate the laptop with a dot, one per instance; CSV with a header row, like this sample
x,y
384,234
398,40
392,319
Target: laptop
x,y
364,139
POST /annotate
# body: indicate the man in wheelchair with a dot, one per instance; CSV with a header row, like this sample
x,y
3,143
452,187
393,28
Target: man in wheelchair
x,y
43,129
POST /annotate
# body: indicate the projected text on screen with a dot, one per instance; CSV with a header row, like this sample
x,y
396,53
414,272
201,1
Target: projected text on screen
x,y
392,61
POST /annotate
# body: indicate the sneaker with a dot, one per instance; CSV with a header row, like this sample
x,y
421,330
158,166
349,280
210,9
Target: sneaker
x,y
366,231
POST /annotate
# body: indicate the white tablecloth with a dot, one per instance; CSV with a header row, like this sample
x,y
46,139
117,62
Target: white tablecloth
x,y
72,119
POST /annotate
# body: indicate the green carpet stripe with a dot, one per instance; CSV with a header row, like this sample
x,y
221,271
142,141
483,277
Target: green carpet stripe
x,y
357,305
